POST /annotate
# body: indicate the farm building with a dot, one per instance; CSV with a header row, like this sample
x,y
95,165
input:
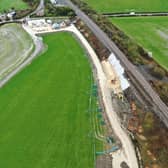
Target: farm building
x,y
37,23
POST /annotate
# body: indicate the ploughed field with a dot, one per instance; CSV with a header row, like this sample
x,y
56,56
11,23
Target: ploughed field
x,y
128,5
44,116
149,32
15,46
7,4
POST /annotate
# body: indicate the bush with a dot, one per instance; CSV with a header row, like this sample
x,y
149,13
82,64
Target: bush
x,y
162,157
162,89
32,2
158,72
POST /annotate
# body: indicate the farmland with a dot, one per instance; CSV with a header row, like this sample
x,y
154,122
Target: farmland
x,y
128,5
44,114
149,32
7,4
15,46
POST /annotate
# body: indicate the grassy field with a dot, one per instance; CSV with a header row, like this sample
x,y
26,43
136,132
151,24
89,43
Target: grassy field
x,y
7,4
128,5
15,46
45,113
150,32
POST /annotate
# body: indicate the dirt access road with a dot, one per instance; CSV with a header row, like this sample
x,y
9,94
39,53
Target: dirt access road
x,y
127,153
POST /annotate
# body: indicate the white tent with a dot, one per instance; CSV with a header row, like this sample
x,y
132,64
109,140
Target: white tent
x,y
119,70
124,83
38,23
116,64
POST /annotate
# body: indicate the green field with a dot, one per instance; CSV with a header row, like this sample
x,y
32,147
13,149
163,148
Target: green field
x,y
7,4
128,5
45,111
15,46
150,32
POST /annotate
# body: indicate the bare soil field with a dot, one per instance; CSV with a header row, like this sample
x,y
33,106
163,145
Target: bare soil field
x,y
15,46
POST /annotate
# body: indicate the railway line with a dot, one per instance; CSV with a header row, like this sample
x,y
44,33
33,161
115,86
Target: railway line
x,y
157,104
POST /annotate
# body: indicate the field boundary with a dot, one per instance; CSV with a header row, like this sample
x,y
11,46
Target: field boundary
x,y
137,14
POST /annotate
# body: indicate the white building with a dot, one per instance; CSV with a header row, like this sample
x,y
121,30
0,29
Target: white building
x,y
37,23
119,70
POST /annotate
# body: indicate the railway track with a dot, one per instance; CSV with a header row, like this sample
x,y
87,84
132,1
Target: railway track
x,y
158,105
